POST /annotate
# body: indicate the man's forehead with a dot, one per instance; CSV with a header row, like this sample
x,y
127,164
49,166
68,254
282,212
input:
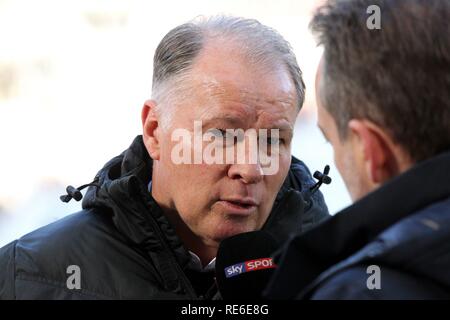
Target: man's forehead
x,y
319,87
319,80
234,107
215,91
234,119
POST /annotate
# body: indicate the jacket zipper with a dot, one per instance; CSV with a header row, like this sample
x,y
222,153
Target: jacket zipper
x,y
154,224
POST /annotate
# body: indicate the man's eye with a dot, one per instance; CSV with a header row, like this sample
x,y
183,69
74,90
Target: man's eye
x,y
217,132
274,140
229,139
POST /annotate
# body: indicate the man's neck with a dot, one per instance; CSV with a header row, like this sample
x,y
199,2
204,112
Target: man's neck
x,y
190,240
206,252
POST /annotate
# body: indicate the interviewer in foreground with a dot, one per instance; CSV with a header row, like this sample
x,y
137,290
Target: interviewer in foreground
x,y
384,105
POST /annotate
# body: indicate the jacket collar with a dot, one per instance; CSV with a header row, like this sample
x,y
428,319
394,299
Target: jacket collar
x,y
123,189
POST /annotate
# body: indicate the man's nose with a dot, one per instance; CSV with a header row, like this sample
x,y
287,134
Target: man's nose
x,y
247,173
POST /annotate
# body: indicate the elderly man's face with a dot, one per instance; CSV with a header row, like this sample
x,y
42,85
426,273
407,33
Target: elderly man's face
x,y
216,201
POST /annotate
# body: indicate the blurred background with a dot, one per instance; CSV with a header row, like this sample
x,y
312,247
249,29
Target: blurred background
x,y
74,75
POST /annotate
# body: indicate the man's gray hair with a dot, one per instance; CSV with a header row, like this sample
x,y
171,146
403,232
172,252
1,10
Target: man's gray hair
x,y
262,45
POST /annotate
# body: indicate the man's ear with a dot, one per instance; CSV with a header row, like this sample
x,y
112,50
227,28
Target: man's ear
x,y
377,149
150,127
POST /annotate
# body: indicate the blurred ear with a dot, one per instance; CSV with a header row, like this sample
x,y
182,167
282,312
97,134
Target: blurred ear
x,y
377,149
150,126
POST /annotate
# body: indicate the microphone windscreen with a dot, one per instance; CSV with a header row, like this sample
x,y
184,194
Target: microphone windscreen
x,y
244,265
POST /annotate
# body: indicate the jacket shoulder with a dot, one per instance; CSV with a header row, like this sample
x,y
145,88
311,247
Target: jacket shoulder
x,y
359,282
42,262
7,265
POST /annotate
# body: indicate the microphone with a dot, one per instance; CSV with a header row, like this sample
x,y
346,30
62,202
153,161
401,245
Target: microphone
x,y
244,265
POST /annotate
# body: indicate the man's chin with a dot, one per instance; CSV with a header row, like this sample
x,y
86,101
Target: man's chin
x,y
227,230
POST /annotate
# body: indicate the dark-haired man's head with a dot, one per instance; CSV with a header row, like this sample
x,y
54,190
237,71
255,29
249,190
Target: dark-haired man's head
x,y
383,94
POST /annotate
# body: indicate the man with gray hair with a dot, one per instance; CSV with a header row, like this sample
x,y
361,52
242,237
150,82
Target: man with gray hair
x,y
214,161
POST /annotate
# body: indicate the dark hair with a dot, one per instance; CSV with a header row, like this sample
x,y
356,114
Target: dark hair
x,y
397,76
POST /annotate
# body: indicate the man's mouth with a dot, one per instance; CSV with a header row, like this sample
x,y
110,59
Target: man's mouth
x,y
236,206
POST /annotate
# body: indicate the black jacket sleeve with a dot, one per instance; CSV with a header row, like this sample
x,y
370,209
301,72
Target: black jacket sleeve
x,y
7,274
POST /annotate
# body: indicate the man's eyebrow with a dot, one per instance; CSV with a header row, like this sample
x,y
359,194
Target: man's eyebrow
x,y
222,118
282,127
238,122
285,129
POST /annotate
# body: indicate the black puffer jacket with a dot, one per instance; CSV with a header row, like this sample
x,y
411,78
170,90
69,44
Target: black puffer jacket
x,y
122,242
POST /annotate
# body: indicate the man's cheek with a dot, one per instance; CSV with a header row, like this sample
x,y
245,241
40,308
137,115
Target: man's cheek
x,y
285,162
275,164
